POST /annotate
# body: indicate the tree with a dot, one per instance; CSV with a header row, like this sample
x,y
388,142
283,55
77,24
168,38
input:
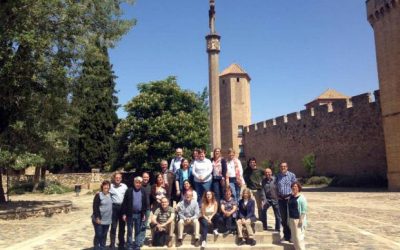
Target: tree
x,y
95,101
42,46
161,118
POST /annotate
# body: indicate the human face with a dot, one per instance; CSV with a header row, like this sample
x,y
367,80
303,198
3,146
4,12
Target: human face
x,y
137,184
146,178
228,195
202,155
246,195
295,189
118,179
188,196
253,164
195,155
159,179
164,165
217,153
164,203
185,164
231,155
284,168
186,185
209,196
268,173
106,188
178,152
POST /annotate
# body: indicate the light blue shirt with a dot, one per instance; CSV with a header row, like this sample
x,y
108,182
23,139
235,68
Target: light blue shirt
x,y
283,183
117,193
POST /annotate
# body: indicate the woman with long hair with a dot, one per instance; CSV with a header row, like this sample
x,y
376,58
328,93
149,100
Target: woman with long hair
x,y
158,191
102,215
234,174
182,174
186,187
209,217
246,217
219,173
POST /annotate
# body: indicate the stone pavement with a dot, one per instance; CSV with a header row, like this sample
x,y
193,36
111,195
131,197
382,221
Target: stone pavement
x,y
338,219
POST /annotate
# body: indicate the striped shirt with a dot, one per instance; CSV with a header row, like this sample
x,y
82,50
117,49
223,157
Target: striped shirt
x,y
283,182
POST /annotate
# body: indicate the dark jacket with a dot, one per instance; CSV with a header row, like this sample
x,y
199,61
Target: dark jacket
x,y
269,190
247,211
127,204
179,177
253,178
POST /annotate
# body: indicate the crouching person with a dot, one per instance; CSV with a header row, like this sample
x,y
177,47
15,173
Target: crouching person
x,y
188,211
246,217
163,224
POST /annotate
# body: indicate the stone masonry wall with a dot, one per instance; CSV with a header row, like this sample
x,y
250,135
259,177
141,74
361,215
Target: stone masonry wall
x,y
71,179
347,138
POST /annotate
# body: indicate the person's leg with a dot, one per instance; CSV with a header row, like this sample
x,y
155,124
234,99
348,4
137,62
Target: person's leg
x,y
130,232
121,230
96,239
237,192
257,197
196,226
264,216
143,229
216,189
114,223
232,185
137,224
284,218
239,228
181,226
275,207
199,190
249,229
104,232
203,229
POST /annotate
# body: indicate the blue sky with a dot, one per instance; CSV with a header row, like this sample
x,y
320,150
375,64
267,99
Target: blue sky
x,y
293,50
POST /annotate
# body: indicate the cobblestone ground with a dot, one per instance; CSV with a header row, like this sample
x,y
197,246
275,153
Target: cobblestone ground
x,y
338,219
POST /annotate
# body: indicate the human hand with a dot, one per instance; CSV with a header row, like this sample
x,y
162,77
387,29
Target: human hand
x,y
124,217
98,221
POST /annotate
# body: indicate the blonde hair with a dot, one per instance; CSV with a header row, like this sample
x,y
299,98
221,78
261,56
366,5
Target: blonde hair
x,y
246,190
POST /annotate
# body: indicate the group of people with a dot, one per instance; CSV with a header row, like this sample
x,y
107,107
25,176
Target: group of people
x,y
213,196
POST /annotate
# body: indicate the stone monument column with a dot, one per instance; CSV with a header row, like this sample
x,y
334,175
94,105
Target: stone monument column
x,y
384,17
213,49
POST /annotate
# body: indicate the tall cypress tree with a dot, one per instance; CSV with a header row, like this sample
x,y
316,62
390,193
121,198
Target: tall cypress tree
x,y
96,104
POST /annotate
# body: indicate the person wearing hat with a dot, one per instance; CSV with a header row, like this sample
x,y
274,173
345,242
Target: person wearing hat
x,y
134,209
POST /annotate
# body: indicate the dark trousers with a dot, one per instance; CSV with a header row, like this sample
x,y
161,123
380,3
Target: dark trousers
x,y
134,224
205,227
283,209
275,206
100,236
117,221
218,189
228,223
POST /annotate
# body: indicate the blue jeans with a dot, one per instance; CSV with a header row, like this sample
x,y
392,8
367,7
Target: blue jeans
x,y
201,187
234,188
283,209
134,222
144,227
275,206
100,236
218,189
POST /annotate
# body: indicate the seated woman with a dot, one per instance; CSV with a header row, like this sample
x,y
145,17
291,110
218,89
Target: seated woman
x,y
297,207
158,191
246,217
228,212
183,173
209,217
102,215
186,187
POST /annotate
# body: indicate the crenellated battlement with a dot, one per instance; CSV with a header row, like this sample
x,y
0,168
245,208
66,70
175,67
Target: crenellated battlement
x,y
377,9
358,103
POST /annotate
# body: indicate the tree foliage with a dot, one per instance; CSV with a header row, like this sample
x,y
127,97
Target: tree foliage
x,y
161,118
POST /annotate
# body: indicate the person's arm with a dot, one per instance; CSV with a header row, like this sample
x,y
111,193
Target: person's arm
x,y
250,209
293,179
240,210
209,170
124,206
171,219
223,208
180,211
303,210
177,178
154,217
171,165
196,212
215,210
234,209
195,174
96,208
262,194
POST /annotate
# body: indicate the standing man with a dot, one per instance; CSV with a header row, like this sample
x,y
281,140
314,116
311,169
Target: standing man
x,y
134,209
176,161
147,188
253,177
284,180
169,179
188,211
117,192
269,198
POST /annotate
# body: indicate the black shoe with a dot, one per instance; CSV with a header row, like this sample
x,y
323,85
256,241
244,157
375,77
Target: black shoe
x,y
251,242
112,246
227,232
241,242
265,228
197,243
179,243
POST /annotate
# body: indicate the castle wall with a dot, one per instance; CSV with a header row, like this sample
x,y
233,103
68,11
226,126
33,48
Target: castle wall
x,y
346,138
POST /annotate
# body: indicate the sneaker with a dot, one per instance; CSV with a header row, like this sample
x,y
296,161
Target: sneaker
x,y
197,243
215,232
203,243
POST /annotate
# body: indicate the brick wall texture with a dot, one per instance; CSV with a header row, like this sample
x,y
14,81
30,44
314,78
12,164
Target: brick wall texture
x,y
346,138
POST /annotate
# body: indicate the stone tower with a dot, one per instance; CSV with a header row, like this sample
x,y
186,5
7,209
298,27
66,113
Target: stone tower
x,y
384,17
234,90
213,48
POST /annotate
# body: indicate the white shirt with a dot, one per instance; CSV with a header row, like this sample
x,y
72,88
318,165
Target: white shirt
x,y
175,164
117,193
202,169
230,168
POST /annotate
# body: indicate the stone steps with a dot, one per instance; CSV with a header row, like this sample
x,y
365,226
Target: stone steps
x,y
231,246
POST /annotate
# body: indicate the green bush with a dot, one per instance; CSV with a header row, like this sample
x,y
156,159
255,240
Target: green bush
x,y
364,180
309,164
56,188
318,180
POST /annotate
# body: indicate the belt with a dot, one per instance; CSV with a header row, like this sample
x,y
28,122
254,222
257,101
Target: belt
x,y
117,205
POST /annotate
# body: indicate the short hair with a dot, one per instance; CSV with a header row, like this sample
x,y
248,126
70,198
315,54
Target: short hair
x,y
164,198
115,174
163,161
250,160
105,183
283,162
298,185
201,150
231,150
178,149
145,172
138,179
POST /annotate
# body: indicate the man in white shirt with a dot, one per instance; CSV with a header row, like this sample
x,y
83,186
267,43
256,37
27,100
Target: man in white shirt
x,y
117,192
176,161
